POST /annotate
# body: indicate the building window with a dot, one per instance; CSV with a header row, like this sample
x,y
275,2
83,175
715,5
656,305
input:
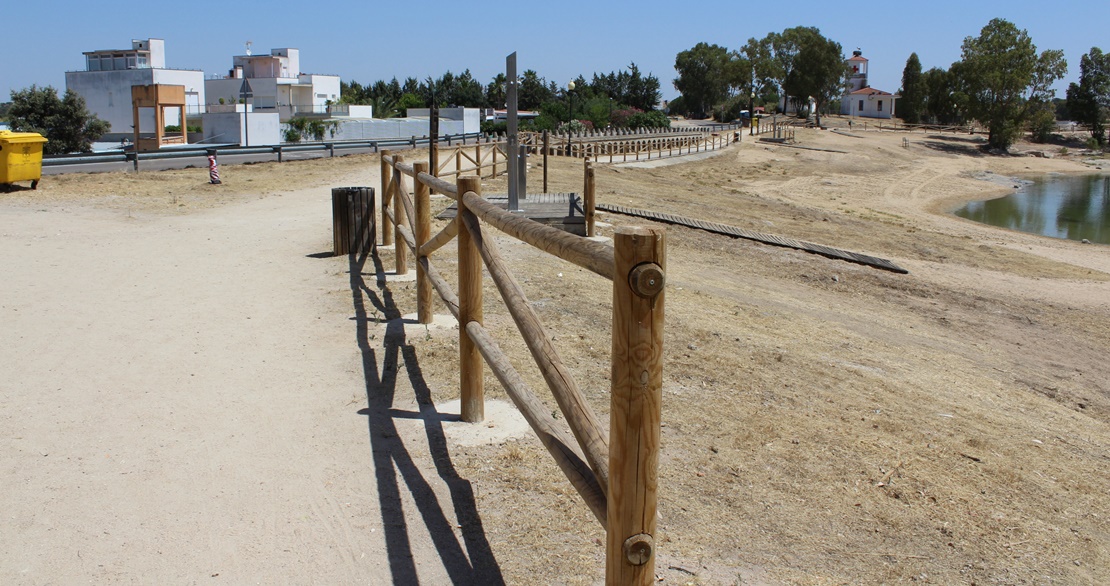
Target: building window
x,y
861,105
880,105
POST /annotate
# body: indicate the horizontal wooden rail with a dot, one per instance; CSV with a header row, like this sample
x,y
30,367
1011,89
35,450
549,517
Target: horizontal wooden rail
x,y
588,254
580,416
438,185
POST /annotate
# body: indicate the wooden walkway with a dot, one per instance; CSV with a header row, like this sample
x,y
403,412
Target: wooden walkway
x,y
835,253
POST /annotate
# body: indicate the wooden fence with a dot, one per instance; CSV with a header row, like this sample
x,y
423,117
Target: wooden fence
x,y
616,475
489,158
625,148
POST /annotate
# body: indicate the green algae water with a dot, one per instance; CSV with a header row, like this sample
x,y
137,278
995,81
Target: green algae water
x,y
1074,207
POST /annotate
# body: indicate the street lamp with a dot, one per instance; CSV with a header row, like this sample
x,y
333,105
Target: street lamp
x,y
570,98
751,114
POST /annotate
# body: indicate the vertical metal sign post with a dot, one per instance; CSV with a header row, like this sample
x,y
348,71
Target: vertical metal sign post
x,y
512,150
244,93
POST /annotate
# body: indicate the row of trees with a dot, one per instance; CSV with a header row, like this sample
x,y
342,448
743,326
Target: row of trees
x,y
1001,81
1004,83
798,63
619,98
1089,100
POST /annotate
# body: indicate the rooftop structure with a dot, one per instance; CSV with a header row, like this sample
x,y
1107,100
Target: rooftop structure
x,y
109,75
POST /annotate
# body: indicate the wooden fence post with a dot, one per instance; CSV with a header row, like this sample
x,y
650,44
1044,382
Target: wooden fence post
x,y
399,215
423,231
387,197
546,148
634,417
471,389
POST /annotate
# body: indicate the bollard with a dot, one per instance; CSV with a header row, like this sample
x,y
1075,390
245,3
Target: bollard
x,y
213,168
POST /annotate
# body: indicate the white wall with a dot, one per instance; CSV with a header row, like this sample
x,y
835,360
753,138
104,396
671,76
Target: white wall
x,y
459,120
108,93
324,88
850,106
230,127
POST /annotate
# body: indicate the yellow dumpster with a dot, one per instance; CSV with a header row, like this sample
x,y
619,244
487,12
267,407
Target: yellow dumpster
x,y
20,158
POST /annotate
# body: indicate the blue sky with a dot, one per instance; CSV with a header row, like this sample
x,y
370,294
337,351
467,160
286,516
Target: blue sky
x,y
366,41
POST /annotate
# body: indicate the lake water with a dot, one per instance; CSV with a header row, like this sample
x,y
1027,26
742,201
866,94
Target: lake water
x,y
1074,207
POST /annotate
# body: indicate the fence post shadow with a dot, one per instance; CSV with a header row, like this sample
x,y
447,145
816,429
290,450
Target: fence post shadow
x,y
468,562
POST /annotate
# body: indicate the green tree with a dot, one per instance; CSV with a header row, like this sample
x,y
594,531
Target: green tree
x,y
1089,100
533,91
495,92
758,73
817,69
999,73
784,48
65,122
941,107
912,103
703,77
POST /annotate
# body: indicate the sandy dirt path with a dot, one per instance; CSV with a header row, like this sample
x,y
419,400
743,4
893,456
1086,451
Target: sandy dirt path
x,y
185,398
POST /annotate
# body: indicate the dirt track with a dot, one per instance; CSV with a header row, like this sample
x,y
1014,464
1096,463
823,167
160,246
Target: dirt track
x,y
187,384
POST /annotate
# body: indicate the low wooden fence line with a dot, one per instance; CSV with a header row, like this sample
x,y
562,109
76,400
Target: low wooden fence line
x,y
649,147
479,156
614,474
827,251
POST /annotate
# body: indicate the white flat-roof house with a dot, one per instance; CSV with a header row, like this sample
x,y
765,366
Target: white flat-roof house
x,y
862,99
276,83
109,74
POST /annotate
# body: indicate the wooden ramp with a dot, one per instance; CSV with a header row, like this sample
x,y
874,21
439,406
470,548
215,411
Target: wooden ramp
x,y
835,253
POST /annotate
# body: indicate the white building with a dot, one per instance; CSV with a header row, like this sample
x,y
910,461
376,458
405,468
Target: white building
x,y
276,84
106,82
862,99
868,103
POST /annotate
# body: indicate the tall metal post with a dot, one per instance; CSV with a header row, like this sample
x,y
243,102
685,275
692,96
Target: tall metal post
x,y
512,150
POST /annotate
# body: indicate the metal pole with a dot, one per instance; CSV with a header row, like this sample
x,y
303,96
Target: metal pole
x,y
512,150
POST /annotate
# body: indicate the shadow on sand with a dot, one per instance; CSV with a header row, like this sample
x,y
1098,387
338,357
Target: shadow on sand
x,y
467,562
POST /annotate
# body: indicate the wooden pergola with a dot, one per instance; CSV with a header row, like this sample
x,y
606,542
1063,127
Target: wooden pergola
x,y
160,97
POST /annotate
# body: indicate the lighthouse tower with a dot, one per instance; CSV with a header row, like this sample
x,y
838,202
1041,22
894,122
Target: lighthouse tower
x,y
857,64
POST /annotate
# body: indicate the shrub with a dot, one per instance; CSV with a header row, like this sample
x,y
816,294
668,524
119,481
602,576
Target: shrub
x,y
494,127
730,110
1041,124
652,119
573,127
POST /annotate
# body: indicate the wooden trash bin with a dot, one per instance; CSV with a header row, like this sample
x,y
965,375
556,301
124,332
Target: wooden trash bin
x,y
353,223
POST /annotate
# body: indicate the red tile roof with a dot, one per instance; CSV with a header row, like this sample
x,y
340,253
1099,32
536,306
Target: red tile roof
x,y
870,91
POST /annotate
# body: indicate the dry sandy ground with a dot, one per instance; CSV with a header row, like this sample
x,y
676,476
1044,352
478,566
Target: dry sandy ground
x,y
192,392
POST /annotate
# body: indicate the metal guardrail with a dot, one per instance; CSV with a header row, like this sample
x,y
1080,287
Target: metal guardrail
x,y
279,150
329,146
